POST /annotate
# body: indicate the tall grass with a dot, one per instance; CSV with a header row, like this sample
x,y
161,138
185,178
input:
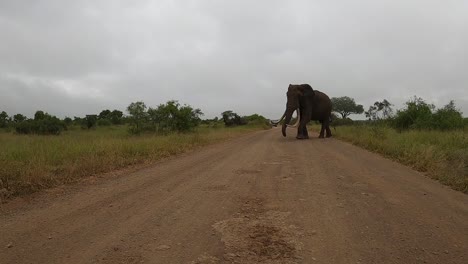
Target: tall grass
x,y
30,162
443,155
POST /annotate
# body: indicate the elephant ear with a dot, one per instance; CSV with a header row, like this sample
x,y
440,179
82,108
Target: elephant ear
x,y
307,90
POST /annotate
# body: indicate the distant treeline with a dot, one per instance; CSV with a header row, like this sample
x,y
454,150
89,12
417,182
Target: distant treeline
x,y
417,114
165,118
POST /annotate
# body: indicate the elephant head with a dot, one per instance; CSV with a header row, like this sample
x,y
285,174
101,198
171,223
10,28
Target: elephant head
x,y
294,95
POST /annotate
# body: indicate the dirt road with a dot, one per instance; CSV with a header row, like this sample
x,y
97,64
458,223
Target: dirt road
x,y
261,198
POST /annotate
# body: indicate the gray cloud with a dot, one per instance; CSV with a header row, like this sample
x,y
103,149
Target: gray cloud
x,y
85,56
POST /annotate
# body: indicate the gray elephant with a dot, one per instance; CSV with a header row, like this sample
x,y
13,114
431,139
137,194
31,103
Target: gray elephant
x,y
310,105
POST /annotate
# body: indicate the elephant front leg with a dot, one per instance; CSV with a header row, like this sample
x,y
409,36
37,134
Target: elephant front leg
x,y
302,129
302,132
305,132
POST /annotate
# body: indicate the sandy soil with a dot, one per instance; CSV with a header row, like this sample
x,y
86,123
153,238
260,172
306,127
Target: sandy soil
x,y
260,198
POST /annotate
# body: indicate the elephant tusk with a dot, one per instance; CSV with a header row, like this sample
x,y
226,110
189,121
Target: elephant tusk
x,y
298,119
281,119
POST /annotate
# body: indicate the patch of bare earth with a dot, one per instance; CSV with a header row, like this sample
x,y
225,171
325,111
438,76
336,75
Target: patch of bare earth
x,y
257,235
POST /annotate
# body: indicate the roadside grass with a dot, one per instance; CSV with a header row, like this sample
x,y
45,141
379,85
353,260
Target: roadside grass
x,y
443,155
29,163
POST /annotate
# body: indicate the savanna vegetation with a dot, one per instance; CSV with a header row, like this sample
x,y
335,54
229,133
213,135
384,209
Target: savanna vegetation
x,y
434,141
46,151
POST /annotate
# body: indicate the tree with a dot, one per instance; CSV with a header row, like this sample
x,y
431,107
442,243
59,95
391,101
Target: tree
x,y
448,117
78,120
187,118
345,106
116,117
155,116
68,121
417,114
385,107
42,124
172,116
232,119
138,116
212,122
4,119
105,114
372,114
39,115
19,118
89,121
164,116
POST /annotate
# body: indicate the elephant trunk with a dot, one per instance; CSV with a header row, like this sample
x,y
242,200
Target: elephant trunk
x,y
289,112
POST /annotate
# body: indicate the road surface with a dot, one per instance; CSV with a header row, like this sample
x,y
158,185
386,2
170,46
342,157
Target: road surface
x,y
260,198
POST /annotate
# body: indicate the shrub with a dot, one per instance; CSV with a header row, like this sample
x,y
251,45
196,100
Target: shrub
x,y
44,124
104,122
418,114
173,116
168,117
187,118
4,119
257,120
448,118
89,121
24,127
18,118
116,117
232,119
138,116
68,121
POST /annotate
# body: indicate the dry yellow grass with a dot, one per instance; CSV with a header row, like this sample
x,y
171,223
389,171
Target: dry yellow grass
x,y
30,163
442,155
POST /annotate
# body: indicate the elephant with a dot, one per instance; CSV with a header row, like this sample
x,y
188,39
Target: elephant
x,y
310,105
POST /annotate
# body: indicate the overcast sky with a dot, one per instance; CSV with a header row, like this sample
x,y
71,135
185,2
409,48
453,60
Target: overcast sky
x,y
71,58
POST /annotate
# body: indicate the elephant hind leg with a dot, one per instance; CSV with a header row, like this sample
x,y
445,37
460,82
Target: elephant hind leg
x,y
329,133
327,127
322,129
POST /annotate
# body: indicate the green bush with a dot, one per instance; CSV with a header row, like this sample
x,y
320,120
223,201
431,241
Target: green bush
x,y
448,118
232,119
4,119
68,121
104,122
45,125
166,118
420,115
88,122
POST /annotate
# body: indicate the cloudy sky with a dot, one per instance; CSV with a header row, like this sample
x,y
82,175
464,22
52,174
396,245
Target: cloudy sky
x,y
72,58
